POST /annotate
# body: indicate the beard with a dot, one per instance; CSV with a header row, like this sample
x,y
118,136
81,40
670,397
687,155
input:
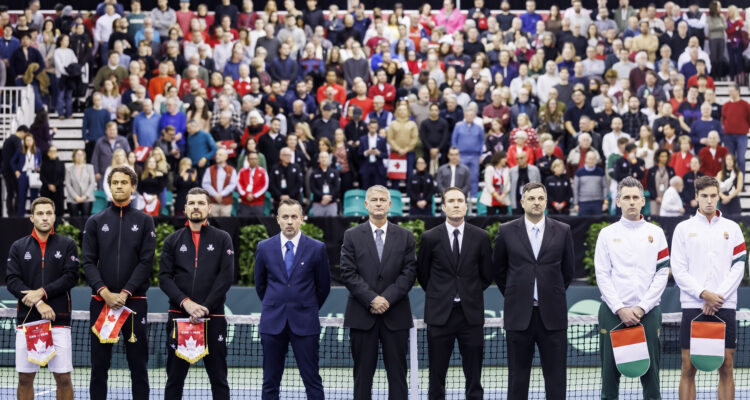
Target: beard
x,y
191,218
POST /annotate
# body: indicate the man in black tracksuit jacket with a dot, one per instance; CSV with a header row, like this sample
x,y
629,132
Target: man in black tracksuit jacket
x,y
196,271
118,257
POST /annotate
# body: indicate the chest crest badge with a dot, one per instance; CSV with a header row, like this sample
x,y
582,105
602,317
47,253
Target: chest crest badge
x,y
650,239
105,228
183,248
58,255
27,256
134,228
726,235
210,247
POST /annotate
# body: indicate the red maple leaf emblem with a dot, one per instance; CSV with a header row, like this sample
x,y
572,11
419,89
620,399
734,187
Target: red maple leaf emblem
x,y
397,165
111,318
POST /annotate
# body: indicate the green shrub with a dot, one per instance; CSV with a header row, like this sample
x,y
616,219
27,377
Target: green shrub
x,y
590,247
492,232
416,227
162,231
74,233
250,236
312,231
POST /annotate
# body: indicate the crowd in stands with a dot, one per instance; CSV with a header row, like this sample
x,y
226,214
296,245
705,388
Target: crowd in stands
x,y
307,104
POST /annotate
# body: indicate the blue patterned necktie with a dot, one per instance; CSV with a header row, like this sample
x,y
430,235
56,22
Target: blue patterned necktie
x,y
379,243
289,257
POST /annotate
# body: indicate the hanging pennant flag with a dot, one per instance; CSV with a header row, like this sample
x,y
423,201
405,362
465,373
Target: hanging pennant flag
x,y
142,152
227,144
150,207
108,324
707,344
191,339
39,346
397,166
630,350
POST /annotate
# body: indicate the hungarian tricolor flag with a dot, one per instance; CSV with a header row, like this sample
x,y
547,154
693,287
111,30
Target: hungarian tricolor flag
x,y
39,346
662,259
630,351
397,166
739,254
191,339
707,344
108,324
142,152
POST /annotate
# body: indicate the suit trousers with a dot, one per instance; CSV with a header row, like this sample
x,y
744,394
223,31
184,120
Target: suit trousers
x,y
11,193
136,353
440,343
275,348
610,375
215,361
552,345
364,345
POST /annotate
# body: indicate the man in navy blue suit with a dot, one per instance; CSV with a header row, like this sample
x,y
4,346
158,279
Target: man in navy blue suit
x,y
292,279
372,149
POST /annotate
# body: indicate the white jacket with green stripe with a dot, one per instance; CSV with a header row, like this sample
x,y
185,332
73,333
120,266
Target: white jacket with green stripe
x,y
632,264
708,255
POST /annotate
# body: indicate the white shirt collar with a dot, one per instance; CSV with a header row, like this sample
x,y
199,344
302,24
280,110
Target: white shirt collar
x,y
530,225
452,228
294,240
373,228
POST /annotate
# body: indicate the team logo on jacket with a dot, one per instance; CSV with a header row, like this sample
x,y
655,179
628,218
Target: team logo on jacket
x,y
221,338
650,239
726,235
183,248
58,255
229,252
134,228
210,247
27,256
73,258
105,228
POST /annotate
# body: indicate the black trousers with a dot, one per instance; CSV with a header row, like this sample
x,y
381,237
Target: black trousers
x,y
136,353
89,149
440,343
76,209
552,354
11,193
275,348
215,361
364,345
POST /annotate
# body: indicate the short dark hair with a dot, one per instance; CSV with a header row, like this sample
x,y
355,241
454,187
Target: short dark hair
x,y
531,186
497,157
624,140
705,182
630,147
451,189
22,128
658,154
199,191
373,121
629,181
291,202
42,200
124,170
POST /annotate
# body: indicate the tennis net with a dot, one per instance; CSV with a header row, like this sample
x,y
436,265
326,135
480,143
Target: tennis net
x,y
246,374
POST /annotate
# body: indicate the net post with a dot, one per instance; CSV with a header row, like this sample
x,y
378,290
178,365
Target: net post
x,y
413,363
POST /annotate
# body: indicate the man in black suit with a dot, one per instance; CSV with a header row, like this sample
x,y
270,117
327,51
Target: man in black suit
x,y
534,260
378,309
454,267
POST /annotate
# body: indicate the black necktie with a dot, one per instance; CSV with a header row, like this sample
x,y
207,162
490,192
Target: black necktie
x,y
456,249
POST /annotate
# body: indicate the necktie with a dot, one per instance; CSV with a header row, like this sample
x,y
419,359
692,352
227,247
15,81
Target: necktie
x,y
456,248
535,245
379,243
289,257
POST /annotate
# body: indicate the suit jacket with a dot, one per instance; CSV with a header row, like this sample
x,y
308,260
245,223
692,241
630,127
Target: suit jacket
x,y
83,185
463,178
534,176
517,268
364,161
296,298
441,278
367,278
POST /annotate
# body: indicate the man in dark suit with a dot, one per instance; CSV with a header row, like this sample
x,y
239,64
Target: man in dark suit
x,y
454,174
378,310
372,149
534,260
454,267
292,279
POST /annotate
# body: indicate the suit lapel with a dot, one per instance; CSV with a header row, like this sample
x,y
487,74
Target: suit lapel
x,y
280,255
524,236
301,248
390,240
549,233
447,244
369,241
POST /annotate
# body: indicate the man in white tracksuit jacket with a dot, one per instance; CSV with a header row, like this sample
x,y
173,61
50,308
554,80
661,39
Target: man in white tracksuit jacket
x,y
708,263
632,267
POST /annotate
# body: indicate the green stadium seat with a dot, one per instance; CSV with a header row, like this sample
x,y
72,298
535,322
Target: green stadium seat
x,y
166,208
397,204
268,204
354,203
481,208
100,201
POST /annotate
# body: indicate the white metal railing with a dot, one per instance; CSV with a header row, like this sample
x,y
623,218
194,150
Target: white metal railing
x,y
16,108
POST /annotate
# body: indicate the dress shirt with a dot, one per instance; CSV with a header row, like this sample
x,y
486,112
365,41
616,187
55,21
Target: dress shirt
x,y
453,180
530,231
384,228
451,229
294,240
220,177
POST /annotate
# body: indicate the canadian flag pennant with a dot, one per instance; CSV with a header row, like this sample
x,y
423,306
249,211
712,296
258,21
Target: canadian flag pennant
x,y
141,152
151,208
397,166
227,144
108,324
39,346
191,339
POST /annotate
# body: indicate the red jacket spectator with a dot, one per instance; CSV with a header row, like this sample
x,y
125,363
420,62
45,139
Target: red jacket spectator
x,y
242,86
513,153
711,163
693,81
340,95
255,180
386,90
680,163
185,86
735,117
